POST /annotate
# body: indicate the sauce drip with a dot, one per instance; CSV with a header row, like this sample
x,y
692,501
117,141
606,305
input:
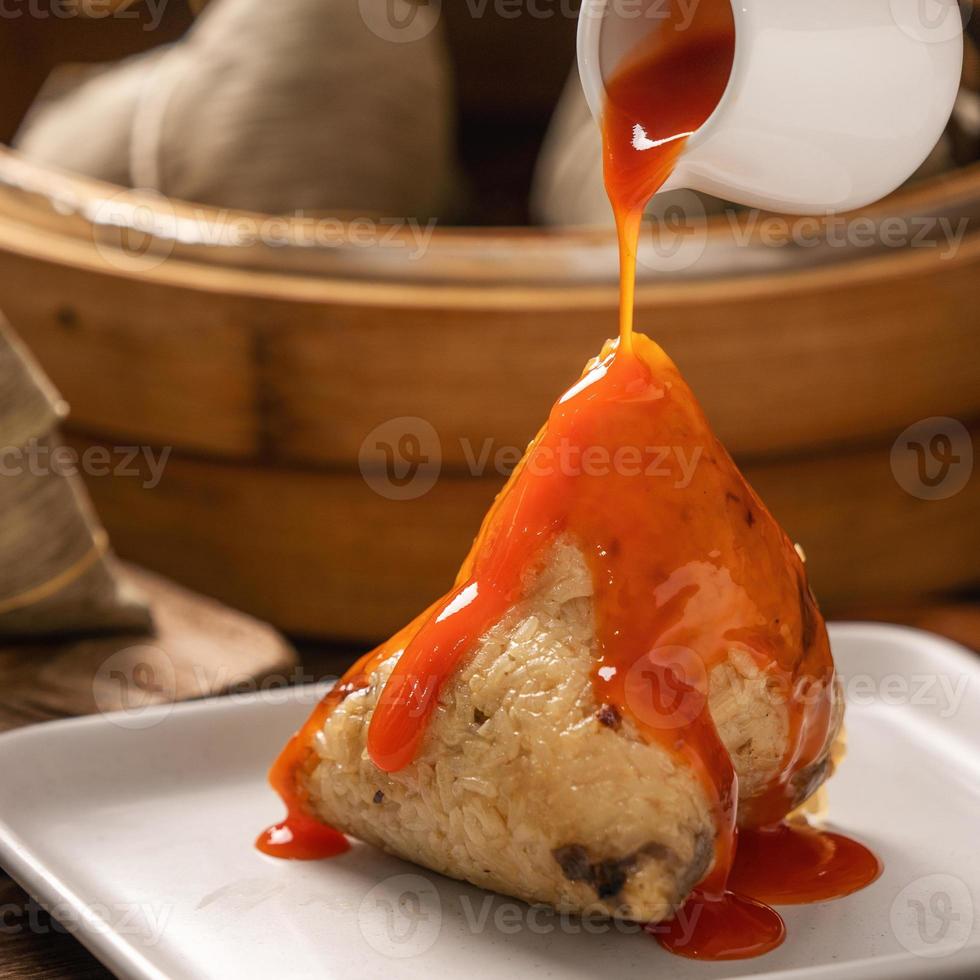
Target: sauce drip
x,y
301,836
687,565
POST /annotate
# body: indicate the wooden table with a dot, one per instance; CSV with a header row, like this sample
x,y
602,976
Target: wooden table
x,y
35,947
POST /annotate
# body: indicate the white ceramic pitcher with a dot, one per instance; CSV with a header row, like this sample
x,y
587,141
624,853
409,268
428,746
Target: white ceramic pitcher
x,y
831,104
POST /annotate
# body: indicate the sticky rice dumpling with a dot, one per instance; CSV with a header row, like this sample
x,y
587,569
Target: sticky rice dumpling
x,y
630,663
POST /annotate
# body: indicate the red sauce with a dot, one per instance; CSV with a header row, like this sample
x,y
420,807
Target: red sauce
x,y
794,864
302,836
686,564
731,927
664,90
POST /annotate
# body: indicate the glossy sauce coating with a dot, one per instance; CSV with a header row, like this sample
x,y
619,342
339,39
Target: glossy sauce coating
x,y
730,927
686,562
794,864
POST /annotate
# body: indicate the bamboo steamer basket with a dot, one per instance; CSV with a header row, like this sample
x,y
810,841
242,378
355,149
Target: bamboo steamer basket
x,y
264,368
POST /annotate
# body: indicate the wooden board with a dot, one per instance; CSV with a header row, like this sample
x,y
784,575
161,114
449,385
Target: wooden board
x,y
197,648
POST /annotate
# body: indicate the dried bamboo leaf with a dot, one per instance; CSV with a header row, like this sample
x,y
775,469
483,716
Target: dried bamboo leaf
x,y
56,573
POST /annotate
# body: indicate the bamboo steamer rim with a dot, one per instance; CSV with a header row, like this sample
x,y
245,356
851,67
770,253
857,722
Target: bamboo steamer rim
x,y
54,215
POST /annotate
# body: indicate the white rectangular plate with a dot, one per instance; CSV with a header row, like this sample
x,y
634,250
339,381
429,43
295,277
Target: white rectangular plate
x,y
141,838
